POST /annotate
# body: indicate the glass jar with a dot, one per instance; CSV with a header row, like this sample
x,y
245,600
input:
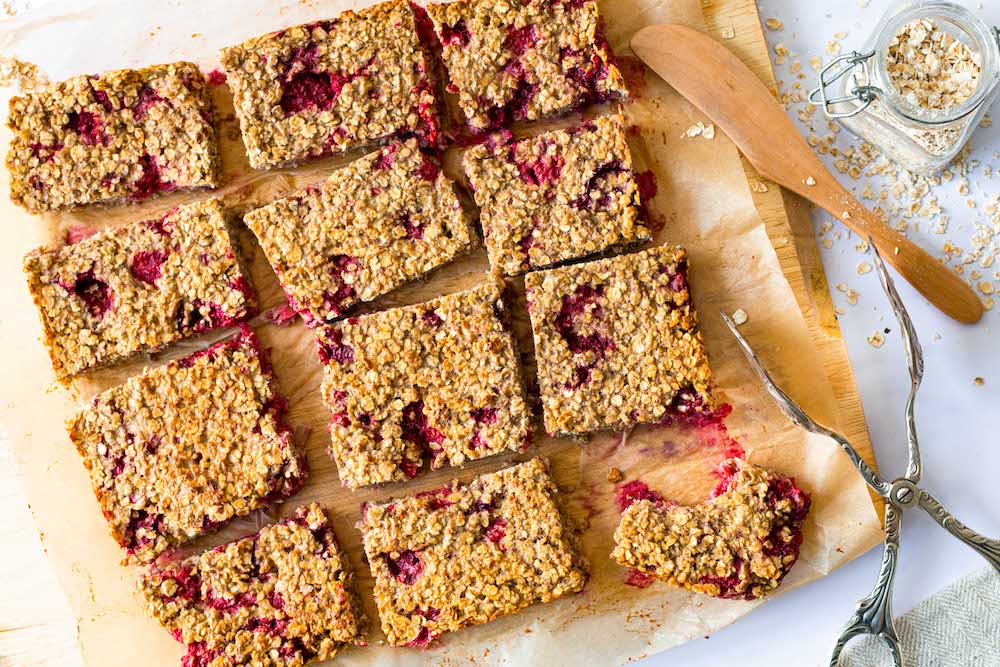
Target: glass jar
x,y
919,138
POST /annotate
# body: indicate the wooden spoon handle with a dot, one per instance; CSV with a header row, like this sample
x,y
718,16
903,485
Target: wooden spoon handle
x,y
928,275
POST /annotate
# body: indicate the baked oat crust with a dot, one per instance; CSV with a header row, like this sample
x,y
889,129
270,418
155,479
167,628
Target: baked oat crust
x,y
617,343
512,60
138,288
737,545
284,596
331,86
438,380
119,136
181,449
465,555
384,220
557,196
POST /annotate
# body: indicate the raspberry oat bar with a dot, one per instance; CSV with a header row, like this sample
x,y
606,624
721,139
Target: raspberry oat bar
x,y
281,597
123,135
330,86
137,288
737,545
180,449
380,222
438,380
524,59
465,555
556,196
617,343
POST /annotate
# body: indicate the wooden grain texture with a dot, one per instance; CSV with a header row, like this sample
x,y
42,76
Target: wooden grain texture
x,y
36,624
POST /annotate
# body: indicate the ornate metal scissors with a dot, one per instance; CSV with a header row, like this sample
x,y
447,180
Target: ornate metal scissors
x,y
873,614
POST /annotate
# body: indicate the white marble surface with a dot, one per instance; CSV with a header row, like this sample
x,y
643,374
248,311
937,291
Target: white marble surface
x,y
958,421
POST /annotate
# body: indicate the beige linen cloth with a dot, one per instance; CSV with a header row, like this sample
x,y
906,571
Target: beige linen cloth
x,y
957,627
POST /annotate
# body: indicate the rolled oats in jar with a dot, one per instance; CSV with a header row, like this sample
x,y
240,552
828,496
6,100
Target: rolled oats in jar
x,y
920,86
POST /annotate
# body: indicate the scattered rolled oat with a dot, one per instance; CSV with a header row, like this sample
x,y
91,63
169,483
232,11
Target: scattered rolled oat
x,y
740,317
979,382
700,129
758,187
615,475
774,24
728,33
810,181
863,268
876,339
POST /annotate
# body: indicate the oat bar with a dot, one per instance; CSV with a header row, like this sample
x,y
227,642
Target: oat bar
x,y
284,596
330,86
511,60
436,381
617,343
465,555
180,449
373,226
137,288
556,196
119,136
737,545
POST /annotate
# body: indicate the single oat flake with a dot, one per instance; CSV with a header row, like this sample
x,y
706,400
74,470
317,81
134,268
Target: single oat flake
x,y
877,339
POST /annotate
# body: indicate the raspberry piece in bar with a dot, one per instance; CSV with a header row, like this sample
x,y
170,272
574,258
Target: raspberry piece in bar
x,y
373,226
436,381
617,343
557,196
284,596
331,86
180,449
737,545
120,136
138,288
532,59
465,555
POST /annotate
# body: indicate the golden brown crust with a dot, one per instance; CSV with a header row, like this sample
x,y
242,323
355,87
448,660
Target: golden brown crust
x,y
556,196
617,342
332,86
180,449
123,135
437,380
284,596
138,288
737,545
382,221
465,555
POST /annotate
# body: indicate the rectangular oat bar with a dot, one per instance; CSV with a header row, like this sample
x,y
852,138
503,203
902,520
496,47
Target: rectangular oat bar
x,y
617,343
467,554
137,288
331,86
119,136
557,196
382,221
284,596
739,544
438,380
180,449
525,59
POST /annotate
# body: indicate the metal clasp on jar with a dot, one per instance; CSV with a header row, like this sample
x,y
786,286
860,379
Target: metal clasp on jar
x,y
834,71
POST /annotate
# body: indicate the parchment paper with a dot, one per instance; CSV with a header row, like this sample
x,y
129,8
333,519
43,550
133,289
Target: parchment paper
x,y
703,202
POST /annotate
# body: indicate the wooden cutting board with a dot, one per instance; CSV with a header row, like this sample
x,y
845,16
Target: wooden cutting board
x,y
36,625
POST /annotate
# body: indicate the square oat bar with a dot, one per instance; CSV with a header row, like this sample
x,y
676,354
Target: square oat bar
x,y
556,196
382,221
617,343
124,135
181,449
739,544
465,555
137,288
331,86
511,60
438,380
284,596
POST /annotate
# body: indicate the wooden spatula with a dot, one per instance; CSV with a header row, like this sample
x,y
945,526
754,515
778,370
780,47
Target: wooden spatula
x,y
725,89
